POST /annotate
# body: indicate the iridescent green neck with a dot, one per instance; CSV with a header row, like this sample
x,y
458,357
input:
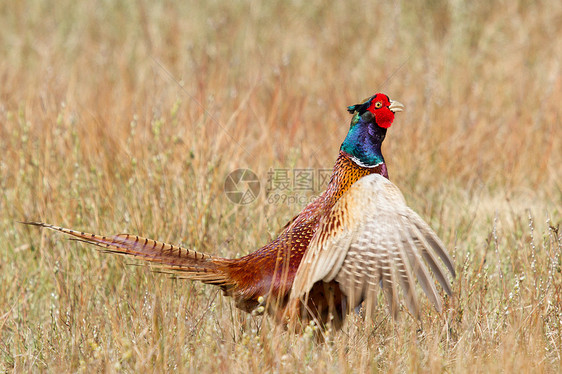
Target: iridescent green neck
x,y
363,141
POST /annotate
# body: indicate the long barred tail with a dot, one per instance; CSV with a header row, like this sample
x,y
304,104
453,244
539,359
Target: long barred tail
x,y
183,262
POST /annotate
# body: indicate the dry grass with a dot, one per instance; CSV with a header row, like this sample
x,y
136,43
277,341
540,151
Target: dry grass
x,y
96,134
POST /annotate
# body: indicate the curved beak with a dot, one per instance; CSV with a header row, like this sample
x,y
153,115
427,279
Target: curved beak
x,y
395,106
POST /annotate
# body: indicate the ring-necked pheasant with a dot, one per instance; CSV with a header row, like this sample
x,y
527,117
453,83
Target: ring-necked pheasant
x,y
357,236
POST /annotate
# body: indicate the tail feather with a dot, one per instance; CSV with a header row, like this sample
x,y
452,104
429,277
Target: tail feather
x,y
167,258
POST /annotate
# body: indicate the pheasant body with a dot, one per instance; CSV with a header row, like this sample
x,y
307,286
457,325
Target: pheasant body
x,y
328,259
283,255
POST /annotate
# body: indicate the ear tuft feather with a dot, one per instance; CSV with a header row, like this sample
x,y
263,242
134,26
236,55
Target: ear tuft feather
x,y
358,108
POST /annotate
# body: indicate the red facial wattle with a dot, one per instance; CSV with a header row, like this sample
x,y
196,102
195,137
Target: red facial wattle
x,y
384,117
380,106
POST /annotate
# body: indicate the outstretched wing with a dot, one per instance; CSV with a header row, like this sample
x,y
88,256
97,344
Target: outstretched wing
x,y
371,238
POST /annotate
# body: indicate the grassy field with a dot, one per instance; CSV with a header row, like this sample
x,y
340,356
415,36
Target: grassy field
x,y
128,116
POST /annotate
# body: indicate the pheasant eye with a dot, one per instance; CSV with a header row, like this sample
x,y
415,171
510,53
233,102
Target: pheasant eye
x,y
378,105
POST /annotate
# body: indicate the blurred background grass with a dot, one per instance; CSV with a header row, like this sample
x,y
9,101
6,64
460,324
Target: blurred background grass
x,y
127,117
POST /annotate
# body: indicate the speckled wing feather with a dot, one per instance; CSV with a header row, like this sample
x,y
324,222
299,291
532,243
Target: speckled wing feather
x,y
371,238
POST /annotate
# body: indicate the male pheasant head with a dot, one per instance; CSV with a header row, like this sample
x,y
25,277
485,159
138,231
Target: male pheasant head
x,y
368,129
378,108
